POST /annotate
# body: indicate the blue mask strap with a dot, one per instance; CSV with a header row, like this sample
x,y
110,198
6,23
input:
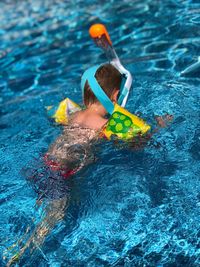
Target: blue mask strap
x,y
89,75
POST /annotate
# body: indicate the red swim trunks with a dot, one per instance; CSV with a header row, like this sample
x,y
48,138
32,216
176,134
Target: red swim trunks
x,y
54,166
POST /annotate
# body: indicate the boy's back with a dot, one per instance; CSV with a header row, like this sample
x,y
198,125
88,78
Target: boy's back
x,y
72,149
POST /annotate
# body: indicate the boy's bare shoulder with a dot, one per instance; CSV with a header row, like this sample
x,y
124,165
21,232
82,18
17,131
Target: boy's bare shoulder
x,y
90,120
96,122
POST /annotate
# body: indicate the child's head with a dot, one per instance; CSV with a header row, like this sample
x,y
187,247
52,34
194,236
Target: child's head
x,y
109,78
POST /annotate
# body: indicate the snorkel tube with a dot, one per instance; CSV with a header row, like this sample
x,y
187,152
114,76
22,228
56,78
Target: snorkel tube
x,y
102,39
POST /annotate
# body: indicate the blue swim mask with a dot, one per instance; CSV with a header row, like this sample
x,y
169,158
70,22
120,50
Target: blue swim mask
x,y
89,76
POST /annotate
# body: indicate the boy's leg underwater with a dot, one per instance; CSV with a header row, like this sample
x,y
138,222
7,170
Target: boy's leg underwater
x,y
54,212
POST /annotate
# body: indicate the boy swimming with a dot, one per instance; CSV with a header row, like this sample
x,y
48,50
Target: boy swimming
x,y
72,149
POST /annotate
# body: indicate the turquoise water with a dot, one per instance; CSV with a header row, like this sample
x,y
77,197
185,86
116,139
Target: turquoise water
x,y
128,208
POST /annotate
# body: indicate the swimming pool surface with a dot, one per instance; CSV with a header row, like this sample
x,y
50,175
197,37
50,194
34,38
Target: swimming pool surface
x,y
128,208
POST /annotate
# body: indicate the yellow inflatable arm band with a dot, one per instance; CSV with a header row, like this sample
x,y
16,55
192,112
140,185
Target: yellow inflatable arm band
x,y
60,113
124,124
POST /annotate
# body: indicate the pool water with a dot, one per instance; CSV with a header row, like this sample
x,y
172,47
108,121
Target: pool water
x,y
130,207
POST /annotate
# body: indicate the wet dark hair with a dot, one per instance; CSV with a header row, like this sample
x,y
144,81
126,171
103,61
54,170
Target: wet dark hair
x,y
109,78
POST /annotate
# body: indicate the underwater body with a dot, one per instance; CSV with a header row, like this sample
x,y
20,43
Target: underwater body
x,y
128,207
